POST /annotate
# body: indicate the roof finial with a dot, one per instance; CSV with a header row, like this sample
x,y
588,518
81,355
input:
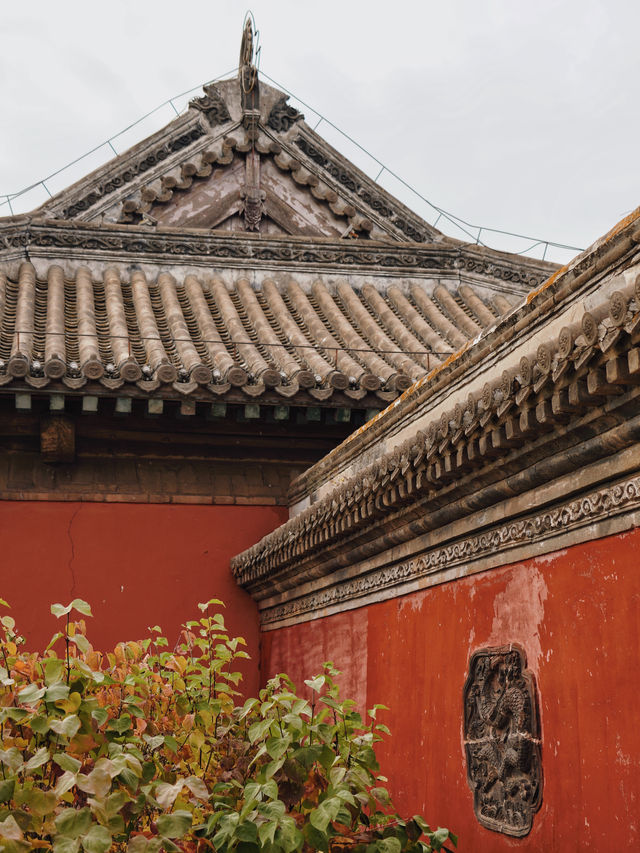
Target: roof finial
x,y
248,74
246,45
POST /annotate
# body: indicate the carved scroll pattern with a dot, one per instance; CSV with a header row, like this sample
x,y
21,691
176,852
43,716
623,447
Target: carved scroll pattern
x,y
502,740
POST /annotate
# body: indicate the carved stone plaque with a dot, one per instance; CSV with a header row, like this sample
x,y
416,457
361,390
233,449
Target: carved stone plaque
x,y
502,740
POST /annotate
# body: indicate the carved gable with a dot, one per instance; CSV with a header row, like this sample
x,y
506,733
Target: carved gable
x,y
240,161
248,193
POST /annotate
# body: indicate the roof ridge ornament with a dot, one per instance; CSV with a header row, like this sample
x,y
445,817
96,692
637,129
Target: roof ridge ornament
x,y
248,76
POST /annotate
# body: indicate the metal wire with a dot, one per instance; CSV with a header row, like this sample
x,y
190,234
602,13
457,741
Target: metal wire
x,y
11,196
462,224
235,343
455,220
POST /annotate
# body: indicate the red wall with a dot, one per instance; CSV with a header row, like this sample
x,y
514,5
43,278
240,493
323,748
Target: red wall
x,y
136,564
577,614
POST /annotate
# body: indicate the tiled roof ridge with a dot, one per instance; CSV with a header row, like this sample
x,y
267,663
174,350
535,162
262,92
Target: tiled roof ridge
x,y
589,363
557,287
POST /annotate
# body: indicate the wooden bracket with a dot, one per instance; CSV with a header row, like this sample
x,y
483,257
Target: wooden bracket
x,y
57,439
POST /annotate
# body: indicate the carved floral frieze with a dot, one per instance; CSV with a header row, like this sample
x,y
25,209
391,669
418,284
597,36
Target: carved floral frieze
x,y
589,509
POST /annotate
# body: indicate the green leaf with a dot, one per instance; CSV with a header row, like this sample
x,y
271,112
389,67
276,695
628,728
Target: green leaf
x,y
267,832
62,844
270,789
6,789
316,684
10,829
153,742
54,670
81,642
68,727
388,845
16,714
316,839
12,758
67,762
202,606
174,825
97,840
277,746
197,787
167,794
30,694
129,778
56,693
438,837
39,725
59,610
247,831
381,795
38,759
99,782
289,835
100,715
138,844
121,725
41,803
171,742
258,730
73,822
81,606
65,783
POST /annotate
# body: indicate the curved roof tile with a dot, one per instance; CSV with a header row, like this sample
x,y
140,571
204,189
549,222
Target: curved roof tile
x,y
206,330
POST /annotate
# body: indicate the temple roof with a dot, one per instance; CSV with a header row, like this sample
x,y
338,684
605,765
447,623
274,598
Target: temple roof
x,y
551,388
209,333
236,253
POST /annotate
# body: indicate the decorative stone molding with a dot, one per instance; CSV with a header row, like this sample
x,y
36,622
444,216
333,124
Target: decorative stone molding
x,y
132,170
283,116
502,740
381,204
212,105
587,510
90,240
547,394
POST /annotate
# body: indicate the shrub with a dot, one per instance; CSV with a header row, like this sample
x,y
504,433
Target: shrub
x,y
144,749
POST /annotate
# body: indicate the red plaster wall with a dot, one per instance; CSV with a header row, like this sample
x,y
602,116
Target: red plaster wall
x,y
136,564
577,614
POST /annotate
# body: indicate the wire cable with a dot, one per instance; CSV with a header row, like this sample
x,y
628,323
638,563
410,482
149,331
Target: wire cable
x,y
456,221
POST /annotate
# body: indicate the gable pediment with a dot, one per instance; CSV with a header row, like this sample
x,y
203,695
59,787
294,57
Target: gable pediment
x,y
239,165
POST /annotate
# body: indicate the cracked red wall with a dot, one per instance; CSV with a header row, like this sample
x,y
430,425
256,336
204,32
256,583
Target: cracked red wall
x,y
137,564
577,614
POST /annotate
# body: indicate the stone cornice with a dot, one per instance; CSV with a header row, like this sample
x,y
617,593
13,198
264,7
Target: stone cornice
x,y
22,237
596,513
102,187
544,418
563,286
320,158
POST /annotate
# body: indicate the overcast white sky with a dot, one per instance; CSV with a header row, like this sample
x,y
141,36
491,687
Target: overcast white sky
x,y
519,115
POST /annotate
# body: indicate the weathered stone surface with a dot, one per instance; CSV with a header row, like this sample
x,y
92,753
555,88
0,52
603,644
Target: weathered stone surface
x,y
502,740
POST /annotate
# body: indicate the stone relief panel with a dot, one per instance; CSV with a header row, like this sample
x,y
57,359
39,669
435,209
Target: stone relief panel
x,y
502,740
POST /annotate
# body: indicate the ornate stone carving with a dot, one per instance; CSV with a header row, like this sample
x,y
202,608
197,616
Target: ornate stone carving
x,y
140,242
375,202
598,505
253,207
283,116
502,740
212,105
119,180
